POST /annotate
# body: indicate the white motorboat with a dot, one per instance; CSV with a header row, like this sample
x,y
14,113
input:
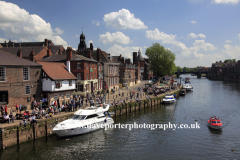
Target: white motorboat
x,y
187,86
169,98
84,121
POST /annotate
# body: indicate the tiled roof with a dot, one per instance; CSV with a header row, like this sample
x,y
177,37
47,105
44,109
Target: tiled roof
x,y
25,50
56,71
8,59
55,49
63,57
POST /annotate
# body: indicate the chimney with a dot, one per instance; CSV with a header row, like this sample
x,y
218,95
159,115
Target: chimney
x,y
46,42
19,53
98,55
91,46
89,55
69,53
49,53
134,57
32,56
68,66
59,52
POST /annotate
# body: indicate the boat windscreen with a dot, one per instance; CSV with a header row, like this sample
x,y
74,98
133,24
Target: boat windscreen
x,y
213,121
79,117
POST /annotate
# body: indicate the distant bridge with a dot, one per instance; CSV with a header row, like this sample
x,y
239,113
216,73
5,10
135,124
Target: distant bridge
x,y
199,73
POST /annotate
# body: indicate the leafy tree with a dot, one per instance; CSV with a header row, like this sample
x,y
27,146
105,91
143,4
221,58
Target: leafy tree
x,y
179,69
229,60
186,69
161,60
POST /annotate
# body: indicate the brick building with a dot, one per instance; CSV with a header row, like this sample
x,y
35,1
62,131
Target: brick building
x,y
20,80
126,72
108,68
145,71
85,69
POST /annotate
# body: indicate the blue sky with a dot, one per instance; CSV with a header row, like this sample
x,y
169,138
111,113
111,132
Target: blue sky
x,y
199,32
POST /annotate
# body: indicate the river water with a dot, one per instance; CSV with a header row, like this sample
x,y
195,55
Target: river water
x,y
208,98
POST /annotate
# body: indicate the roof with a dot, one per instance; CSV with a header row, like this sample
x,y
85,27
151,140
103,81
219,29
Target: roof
x,y
25,50
55,49
56,71
63,57
8,59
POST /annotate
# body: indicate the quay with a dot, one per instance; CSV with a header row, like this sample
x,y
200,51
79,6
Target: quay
x,y
14,134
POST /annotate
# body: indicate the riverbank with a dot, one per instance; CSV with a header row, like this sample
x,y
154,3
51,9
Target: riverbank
x,y
12,133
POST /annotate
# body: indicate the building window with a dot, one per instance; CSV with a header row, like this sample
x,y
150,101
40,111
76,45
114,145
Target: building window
x,y
78,65
86,76
62,96
2,74
79,76
91,76
90,65
26,74
95,66
86,66
58,84
55,96
70,82
27,90
67,95
80,88
95,75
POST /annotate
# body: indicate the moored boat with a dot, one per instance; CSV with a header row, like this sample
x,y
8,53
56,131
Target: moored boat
x,y
183,92
187,86
169,98
84,121
215,123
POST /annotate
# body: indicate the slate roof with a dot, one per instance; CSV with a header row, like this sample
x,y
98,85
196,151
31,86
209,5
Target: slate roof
x,y
63,57
55,49
57,71
25,50
8,59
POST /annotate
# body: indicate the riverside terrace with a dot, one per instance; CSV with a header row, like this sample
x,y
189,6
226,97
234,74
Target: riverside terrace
x,y
123,95
44,126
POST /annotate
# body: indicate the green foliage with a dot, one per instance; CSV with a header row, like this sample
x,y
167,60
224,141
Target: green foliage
x,y
161,60
229,60
186,69
178,69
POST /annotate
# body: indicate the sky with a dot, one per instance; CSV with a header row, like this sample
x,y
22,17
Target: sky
x,y
199,32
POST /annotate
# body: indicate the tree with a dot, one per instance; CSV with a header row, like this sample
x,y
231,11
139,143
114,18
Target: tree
x,y
161,60
179,69
186,69
229,60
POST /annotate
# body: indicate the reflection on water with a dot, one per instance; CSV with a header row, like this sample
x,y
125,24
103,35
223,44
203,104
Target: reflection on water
x,y
208,98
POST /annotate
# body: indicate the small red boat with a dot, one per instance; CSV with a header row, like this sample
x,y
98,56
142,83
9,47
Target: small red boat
x,y
215,123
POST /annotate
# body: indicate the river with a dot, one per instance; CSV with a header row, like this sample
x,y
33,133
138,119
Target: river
x,y
208,98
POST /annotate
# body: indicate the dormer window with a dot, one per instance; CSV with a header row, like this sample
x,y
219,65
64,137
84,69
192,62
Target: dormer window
x,y
78,65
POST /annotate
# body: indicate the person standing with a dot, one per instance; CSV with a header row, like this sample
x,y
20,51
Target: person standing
x,y
16,107
5,110
2,110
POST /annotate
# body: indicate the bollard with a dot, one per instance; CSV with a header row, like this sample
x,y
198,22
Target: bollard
x,y
46,134
18,136
151,102
33,128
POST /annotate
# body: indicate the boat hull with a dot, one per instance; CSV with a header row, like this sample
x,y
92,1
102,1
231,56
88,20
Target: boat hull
x,y
82,130
214,126
172,101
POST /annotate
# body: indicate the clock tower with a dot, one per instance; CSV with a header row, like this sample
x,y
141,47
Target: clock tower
x,y
82,44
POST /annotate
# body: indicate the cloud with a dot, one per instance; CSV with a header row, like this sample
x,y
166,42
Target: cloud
x,y
90,41
117,37
58,31
126,52
228,41
17,23
97,23
239,36
123,19
231,51
193,35
197,55
76,35
233,2
194,22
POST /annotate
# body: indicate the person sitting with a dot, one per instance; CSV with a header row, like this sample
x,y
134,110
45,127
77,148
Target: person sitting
x,y
7,118
33,120
24,121
47,115
25,115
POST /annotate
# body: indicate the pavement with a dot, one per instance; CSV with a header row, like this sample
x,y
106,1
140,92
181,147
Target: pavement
x,y
110,99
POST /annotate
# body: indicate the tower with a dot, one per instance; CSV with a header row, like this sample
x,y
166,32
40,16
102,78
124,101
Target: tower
x,y
82,44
